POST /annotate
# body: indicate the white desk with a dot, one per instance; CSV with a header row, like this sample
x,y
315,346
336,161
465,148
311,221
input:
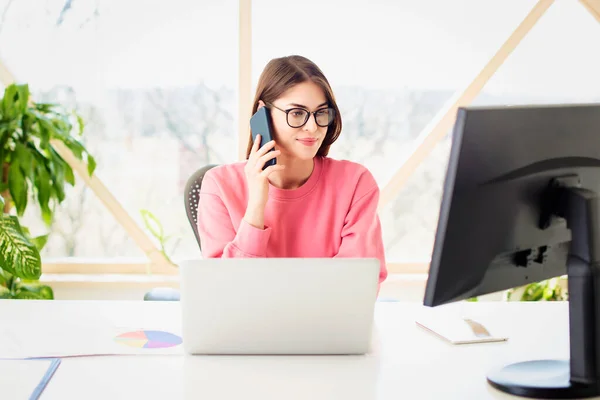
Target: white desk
x,y
406,363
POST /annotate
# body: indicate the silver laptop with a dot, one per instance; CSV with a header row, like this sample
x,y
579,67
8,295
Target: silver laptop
x,y
278,305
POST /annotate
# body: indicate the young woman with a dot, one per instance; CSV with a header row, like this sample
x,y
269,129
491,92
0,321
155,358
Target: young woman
x,y
307,204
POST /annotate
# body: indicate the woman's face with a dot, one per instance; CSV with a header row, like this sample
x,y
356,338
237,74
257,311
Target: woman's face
x,y
303,142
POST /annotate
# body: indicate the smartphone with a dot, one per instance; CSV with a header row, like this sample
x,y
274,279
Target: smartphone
x,y
260,124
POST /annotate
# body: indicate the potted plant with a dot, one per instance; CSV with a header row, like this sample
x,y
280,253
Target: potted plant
x,y
32,169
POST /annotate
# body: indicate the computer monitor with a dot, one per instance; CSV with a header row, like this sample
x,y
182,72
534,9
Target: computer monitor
x,y
521,204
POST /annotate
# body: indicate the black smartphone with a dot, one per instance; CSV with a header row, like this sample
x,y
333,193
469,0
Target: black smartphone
x,y
260,124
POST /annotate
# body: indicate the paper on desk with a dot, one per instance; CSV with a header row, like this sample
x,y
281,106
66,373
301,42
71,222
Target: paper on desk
x,y
24,379
24,340
457,327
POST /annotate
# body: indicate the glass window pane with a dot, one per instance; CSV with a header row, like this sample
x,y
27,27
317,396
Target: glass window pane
x,y
393,65
156,83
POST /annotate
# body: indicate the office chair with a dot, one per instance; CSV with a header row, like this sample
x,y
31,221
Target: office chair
x,y
191,199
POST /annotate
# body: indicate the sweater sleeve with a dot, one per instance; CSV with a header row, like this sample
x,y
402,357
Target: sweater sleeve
x,y
361,234
218,236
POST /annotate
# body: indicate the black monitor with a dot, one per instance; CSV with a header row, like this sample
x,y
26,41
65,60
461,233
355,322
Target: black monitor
x,y
521,204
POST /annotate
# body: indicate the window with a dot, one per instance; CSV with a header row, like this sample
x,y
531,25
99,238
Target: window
x,y
156,83
393,66
550,65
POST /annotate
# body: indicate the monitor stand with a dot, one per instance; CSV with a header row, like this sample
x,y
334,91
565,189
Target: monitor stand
x,y
578,377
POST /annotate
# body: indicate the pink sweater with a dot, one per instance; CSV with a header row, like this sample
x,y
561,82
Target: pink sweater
x,y
334,214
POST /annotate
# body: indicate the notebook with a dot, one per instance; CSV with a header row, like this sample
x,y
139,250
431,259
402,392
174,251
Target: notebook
x,y
458,330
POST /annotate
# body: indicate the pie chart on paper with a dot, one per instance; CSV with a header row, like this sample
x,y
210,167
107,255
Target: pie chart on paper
x,y
149,339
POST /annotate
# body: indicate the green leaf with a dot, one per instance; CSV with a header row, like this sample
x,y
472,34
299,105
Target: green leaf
x,y
3,279
152,224
40,241
1,202
28,291
80,124
63,171
25,160
48,185
17,186
61,123
26,295
537,293
5,293
22,98
43,185
18,256
58,180
91,164
58,190
69,176
38,156
14,102
43,120
8,102
51,128
44,136
76,148
27,123
45,107
47,215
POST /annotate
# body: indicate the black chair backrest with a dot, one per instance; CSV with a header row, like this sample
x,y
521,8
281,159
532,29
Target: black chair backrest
x,y
192,196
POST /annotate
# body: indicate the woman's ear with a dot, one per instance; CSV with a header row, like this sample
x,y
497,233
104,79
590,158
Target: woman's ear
x,y
261,104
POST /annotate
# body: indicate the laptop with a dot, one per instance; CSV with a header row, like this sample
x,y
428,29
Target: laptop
x,y
278,305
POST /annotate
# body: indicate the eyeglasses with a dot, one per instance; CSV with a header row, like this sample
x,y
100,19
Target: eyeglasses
x,y
297,117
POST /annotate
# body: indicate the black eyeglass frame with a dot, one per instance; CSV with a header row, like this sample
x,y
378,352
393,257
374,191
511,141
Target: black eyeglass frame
x,y
314,113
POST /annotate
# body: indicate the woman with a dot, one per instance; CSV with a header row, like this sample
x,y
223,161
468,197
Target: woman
x,y
307,204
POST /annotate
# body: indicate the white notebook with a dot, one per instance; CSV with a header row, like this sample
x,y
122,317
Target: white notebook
x,y
458,330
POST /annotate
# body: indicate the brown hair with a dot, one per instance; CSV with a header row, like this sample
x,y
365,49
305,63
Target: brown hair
x,y
279,75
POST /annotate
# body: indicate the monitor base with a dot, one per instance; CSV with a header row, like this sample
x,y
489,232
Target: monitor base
x,y
548,379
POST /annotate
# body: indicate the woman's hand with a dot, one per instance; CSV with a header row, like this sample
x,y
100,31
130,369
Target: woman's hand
x,y
258,181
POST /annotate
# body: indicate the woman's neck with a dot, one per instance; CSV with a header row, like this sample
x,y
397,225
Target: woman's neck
x,y
295,174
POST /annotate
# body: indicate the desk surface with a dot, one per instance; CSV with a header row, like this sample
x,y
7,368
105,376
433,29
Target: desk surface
x,y
407,362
